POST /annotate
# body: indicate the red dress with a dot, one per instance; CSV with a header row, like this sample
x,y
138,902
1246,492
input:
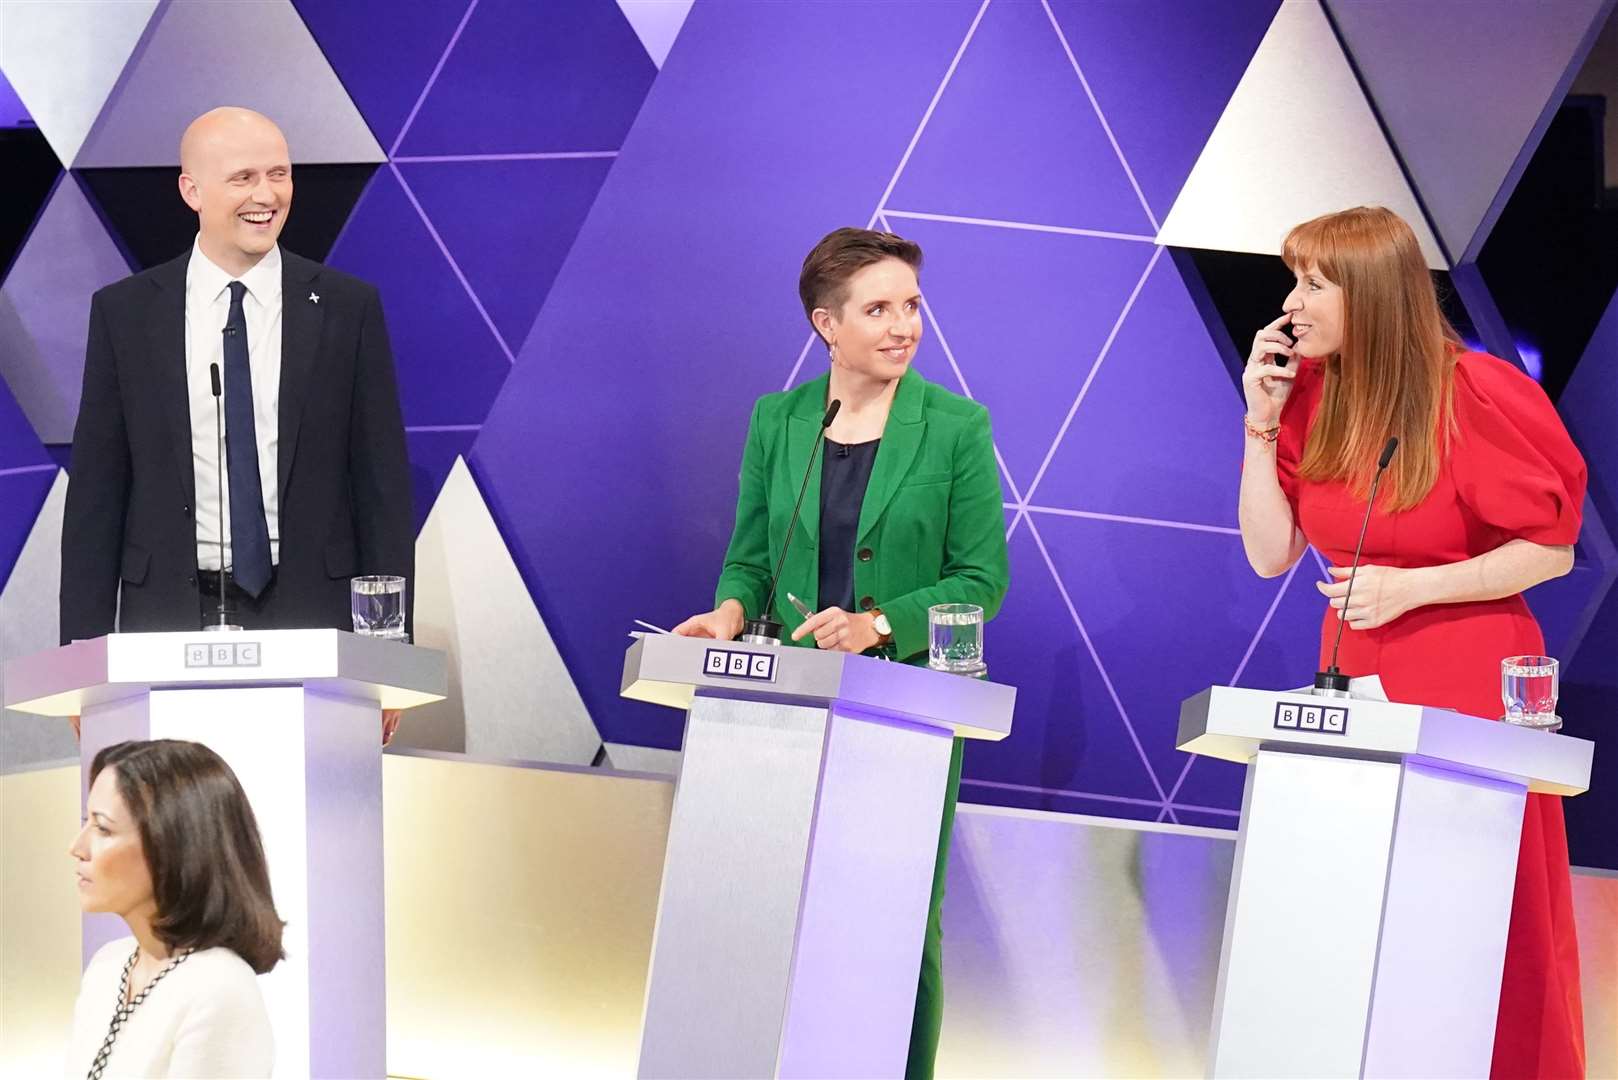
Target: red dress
x,y
1511,471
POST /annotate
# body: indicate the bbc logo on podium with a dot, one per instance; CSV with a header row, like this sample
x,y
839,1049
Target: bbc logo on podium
x,y
221,654
736,664
1321,719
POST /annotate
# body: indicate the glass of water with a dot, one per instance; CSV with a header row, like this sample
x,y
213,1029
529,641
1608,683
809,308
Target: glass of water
x,y
956,643
377,602
1528,687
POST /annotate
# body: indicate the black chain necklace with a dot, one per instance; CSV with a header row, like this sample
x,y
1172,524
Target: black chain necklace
x,y
121,1015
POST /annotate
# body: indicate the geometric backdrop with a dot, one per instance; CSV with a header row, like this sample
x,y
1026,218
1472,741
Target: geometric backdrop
x,y
587,244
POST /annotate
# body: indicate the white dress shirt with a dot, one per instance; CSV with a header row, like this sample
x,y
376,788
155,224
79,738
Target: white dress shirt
x,y
206,1018
207,306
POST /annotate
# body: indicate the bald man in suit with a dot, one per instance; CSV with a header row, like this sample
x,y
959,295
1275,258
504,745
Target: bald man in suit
x,y
317,481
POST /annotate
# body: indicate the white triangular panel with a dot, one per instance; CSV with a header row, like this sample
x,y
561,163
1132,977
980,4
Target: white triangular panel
x,y
29,623
510,695
43,305
657,23
200,55
1297,140
64,58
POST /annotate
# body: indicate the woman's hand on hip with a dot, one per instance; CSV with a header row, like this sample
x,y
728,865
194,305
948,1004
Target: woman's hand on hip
x,y
1265,384
1381,594
723,623
840,631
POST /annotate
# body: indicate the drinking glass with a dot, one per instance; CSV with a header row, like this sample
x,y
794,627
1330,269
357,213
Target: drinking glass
x,y
956,643
377,602
1528,687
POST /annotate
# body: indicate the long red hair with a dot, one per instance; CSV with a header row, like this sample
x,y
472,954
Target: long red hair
x,y
1394,374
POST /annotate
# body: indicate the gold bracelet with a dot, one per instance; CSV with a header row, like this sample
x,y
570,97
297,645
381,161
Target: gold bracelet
x,y
1264,435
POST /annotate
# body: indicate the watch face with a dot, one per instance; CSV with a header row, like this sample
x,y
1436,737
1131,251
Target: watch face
x,y
882,625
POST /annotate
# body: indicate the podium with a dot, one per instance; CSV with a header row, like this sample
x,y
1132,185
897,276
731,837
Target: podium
x,y
1366,927
800,856
297,715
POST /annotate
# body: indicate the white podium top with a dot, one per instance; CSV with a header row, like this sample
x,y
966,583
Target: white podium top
x,y
1234,723
667,670
63,681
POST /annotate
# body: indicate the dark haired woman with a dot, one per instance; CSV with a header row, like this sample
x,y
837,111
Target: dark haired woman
x,y
170,845
1482,501
904,513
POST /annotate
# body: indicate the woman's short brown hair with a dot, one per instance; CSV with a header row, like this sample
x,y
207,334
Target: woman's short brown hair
x,y
842,253
209,878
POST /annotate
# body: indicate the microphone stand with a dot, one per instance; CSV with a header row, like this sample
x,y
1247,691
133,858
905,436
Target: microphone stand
x,y
1332,682
222,617
763,629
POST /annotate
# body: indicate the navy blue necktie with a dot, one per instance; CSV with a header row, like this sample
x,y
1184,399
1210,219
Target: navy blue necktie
x,y
249,535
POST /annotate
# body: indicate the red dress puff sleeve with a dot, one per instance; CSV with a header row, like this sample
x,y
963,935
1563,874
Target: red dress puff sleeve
x,y
1515,466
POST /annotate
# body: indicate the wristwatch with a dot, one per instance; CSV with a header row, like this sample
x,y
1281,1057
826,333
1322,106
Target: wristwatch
x,y
879,622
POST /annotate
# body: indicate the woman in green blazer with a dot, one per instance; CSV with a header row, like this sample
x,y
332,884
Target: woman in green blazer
x,y
905,511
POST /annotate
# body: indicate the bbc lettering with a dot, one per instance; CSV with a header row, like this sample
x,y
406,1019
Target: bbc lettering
x,y
221,654
735,664
1320,719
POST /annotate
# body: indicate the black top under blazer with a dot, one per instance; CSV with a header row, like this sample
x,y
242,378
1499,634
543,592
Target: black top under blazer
x,y
129,528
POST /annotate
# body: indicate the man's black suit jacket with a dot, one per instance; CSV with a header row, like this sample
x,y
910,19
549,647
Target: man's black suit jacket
x,y
342,471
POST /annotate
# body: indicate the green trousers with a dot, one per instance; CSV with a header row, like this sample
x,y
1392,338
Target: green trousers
x,y
930,988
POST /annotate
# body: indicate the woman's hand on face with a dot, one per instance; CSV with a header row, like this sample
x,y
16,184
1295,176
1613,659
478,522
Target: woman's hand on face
x,y
1381,594
723,623
1265,384
839,631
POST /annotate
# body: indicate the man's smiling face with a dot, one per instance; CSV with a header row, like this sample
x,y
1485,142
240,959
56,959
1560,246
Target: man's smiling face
x,y
236,173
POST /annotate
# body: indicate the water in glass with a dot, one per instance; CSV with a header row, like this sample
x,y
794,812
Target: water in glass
x,y
377,602
956,643
1528,687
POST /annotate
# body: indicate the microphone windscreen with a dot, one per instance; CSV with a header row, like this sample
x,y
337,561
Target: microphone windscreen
x,y
831,412
213,377
1387,453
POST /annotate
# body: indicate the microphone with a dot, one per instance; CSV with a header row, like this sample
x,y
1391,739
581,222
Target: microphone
x,y
764,629
222,618
1332,682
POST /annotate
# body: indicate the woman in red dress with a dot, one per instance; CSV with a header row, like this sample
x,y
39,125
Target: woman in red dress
x,y
1482,500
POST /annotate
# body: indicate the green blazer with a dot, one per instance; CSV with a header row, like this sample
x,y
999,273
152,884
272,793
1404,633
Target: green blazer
x,y
932,528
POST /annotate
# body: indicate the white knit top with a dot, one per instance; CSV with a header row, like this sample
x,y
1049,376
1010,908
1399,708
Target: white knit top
x,y
205,1019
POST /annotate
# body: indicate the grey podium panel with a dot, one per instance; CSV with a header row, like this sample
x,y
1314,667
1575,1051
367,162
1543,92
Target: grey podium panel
x,y
865,899
801,852
1366,928
732,879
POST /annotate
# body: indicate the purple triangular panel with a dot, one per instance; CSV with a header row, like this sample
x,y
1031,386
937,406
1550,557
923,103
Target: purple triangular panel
x,y
449,363
678,306
26,474
1163,393
1587,406
1564,606
509,248
1464,89
1284,656
1169,611
1066,734
21,496
383,62
527,77
67,257
1025,315
432,455
1015,109
20,448
13,113
1162,71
